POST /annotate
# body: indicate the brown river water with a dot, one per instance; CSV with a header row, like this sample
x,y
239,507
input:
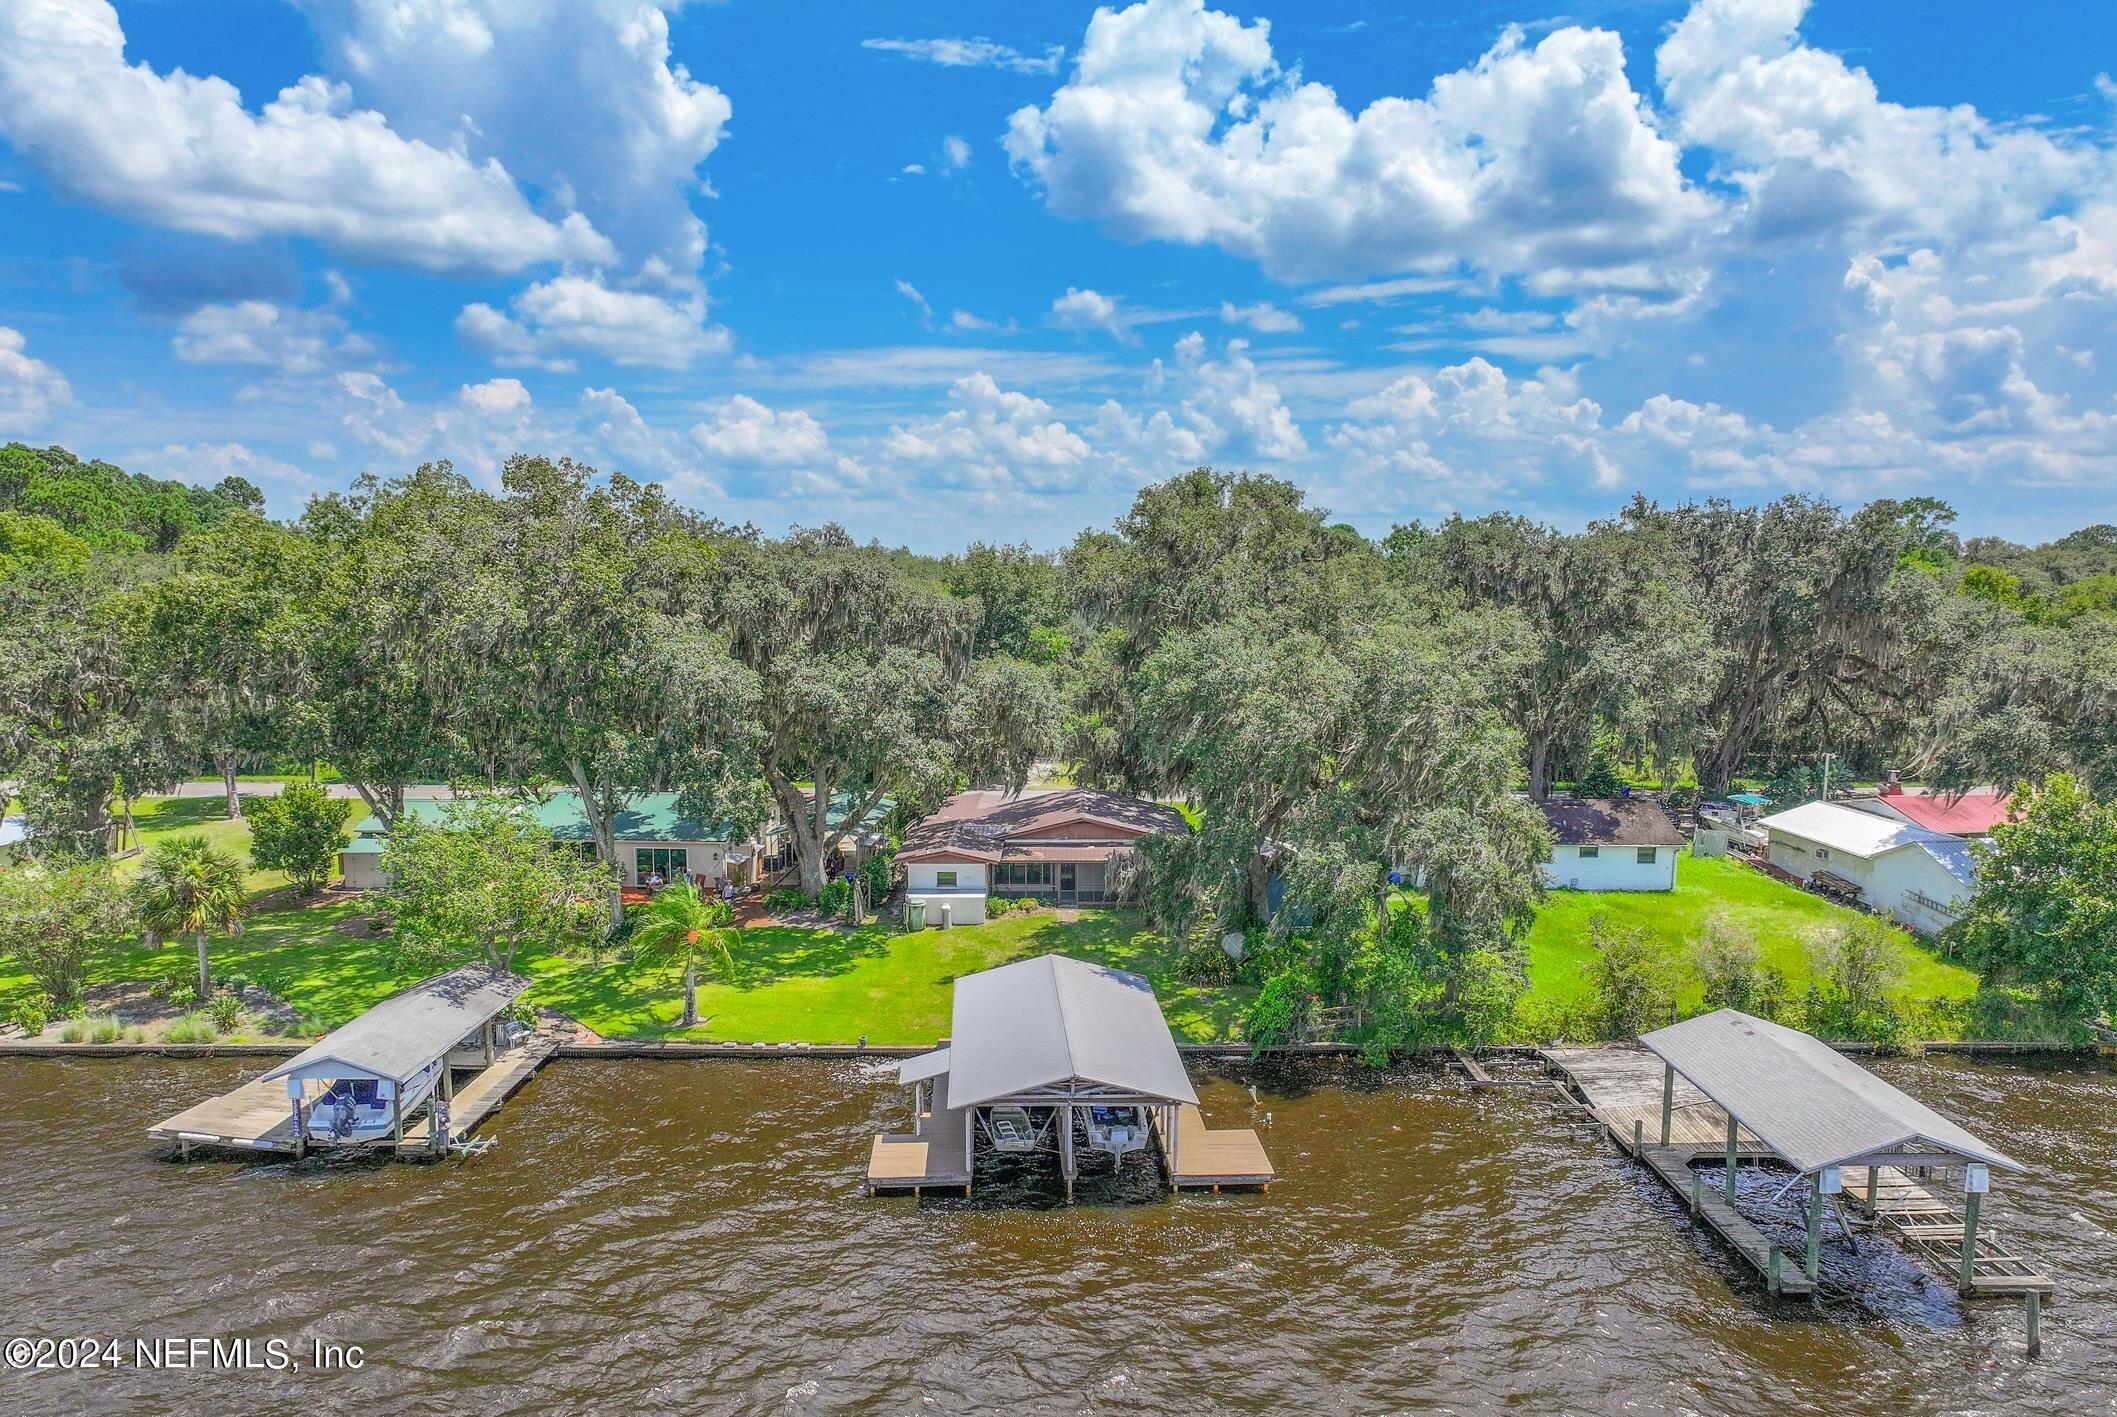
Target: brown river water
x,y
691,1236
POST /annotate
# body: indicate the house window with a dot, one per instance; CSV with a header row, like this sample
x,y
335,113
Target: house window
x,y
1589,853
944,880
671,863
1821,854
1021,875
1646,855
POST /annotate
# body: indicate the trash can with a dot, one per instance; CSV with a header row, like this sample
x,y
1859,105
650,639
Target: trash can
x,y
915,915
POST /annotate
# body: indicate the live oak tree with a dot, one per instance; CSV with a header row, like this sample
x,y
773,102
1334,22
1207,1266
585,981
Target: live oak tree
x,y
1822,620
611,685
74,726
1616,640
865,685
224,643
407,615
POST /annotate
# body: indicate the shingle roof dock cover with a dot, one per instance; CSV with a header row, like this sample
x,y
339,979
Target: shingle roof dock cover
x,y
1808,1102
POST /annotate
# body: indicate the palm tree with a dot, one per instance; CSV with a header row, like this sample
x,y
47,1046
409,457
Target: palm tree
x,y
188,888
681,926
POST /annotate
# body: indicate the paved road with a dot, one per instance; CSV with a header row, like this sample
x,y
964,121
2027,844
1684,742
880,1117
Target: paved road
x,y
272,789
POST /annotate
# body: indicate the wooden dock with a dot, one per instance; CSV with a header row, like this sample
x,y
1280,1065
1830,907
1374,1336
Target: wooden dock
x,y
1930,1221
1209,1158
254,1117
1622,1088
257,1117
931,1158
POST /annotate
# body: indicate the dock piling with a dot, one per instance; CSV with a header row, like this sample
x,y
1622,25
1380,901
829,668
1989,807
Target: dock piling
x,y
2032,1314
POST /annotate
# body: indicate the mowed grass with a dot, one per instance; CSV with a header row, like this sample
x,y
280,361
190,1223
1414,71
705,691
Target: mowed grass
x,y
160,818
832,986
1783,920
795,985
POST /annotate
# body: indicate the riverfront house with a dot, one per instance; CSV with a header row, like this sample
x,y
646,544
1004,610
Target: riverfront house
x,y
1068,847
1059,1057
656,840
1611,844
1920,878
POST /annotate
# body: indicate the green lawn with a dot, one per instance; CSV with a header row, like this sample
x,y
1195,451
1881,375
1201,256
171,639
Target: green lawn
x,y
817,986
827,986
1782,918
162,817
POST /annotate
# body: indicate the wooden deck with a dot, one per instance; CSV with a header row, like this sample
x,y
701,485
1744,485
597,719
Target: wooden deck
x,y
255,1117
1209,1157
1623,1090
932,1158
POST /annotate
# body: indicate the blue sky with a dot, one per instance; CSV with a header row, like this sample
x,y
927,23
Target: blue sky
x,y
954,271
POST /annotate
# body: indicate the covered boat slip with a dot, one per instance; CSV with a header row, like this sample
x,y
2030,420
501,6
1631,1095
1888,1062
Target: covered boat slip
x,y
1057,1055
383,1080
1728,1087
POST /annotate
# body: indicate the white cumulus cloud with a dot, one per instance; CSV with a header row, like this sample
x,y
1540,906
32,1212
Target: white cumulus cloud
x,y
1179,124
285,338
552,321
182,151
29,388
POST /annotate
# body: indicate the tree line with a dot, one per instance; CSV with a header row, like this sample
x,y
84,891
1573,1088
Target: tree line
x,y
1331,708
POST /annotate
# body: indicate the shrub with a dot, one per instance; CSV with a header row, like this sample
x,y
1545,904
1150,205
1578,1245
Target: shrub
x,y
835,897
300,832
1281,1012
997,906
226,1010
1863,964
91,1028
785,902
192,1028
1205,962
1598,779
1630,978
31,1015
1488,991
1730,967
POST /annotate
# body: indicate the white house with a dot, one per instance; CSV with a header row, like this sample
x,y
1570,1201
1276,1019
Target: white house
x,y
1611,844
1918,876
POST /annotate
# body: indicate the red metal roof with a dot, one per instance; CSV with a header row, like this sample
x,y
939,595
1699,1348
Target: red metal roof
x,y
1972,814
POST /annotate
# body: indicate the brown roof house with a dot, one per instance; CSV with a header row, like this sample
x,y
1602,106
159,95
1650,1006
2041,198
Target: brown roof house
x,y
1611,844
1066,847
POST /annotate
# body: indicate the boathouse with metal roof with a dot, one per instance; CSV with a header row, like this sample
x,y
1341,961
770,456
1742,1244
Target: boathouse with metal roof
x,y
1057,1055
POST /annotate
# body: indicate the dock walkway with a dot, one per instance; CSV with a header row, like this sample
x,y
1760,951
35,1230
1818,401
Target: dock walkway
x,y
479,1098
1622,1087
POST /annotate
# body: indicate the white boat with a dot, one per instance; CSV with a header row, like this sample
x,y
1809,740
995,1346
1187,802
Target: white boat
x,y
1011,1129
1117,1130
358,1109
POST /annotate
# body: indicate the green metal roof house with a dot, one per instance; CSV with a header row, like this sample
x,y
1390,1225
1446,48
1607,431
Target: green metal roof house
x,y
653,838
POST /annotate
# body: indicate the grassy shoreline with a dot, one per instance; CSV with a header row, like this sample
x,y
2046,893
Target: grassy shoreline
x,y
831,986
